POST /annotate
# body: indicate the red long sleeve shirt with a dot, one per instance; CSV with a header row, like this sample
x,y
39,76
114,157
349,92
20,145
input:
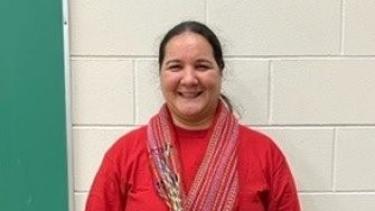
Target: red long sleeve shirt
x,y
124,180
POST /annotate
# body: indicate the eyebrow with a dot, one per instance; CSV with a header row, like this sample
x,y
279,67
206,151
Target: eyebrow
x,y
179,61
204,60
172,61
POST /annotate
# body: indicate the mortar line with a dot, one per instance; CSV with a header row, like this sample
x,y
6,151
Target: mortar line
x,y
294,57
251,125
270,92
311,125
334,160
263,57
135,109
342,28
112,56
104,125
206,11
336,193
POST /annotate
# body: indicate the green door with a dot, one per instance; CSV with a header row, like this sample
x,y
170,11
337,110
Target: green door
x,y
33,155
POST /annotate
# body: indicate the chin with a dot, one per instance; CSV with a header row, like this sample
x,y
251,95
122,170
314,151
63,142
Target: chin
x,y
194,108
190,112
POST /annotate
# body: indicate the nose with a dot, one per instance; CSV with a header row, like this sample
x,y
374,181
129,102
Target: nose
x,y
189,77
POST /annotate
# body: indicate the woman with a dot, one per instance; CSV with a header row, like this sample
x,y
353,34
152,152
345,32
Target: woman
x,y
193,154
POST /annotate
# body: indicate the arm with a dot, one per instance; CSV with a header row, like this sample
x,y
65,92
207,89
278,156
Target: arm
x,y
283,195
106,193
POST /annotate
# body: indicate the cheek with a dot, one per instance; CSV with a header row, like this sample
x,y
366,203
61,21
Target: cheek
x,y
168,83
215,84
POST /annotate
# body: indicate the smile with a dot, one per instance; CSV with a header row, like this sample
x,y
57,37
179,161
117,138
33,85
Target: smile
x,y
189,95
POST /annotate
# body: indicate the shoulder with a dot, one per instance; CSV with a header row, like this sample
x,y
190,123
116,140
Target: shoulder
x,y
255,145
129,144
251,138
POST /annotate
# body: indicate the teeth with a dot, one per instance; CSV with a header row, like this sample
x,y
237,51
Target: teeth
x,y
189,94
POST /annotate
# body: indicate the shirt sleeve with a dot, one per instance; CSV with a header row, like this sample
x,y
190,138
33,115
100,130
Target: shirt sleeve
x,y
105,193
283,195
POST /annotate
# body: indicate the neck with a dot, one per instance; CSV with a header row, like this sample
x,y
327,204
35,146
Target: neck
x,y
197,123
193,124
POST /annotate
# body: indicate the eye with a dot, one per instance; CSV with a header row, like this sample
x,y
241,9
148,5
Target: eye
x,y
202,67
174,67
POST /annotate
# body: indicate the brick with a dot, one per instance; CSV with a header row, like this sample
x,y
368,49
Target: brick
x,y
126,27
334,202
89,146
309,152
323,92
148,93
355,159
102,92
245,82
359,35
277,27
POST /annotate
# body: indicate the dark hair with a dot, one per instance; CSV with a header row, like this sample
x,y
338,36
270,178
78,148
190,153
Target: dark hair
x,y
198,28
208,34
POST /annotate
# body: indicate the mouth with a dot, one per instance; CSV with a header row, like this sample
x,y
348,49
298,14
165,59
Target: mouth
x,y
189,95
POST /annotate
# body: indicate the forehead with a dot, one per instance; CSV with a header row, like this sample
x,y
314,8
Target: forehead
x,y
188,44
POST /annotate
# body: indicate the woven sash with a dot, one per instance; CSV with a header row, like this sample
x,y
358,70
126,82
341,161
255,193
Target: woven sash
x,y
215,185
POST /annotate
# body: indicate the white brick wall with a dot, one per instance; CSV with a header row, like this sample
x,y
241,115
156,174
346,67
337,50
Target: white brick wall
x,y
301,71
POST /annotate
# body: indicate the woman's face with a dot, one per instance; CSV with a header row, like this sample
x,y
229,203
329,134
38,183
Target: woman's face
x,y
190,79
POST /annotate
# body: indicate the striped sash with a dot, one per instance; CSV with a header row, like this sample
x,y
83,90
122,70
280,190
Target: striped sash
x,y
215,185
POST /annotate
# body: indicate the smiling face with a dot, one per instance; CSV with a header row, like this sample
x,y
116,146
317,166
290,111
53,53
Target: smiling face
x,y
190,80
